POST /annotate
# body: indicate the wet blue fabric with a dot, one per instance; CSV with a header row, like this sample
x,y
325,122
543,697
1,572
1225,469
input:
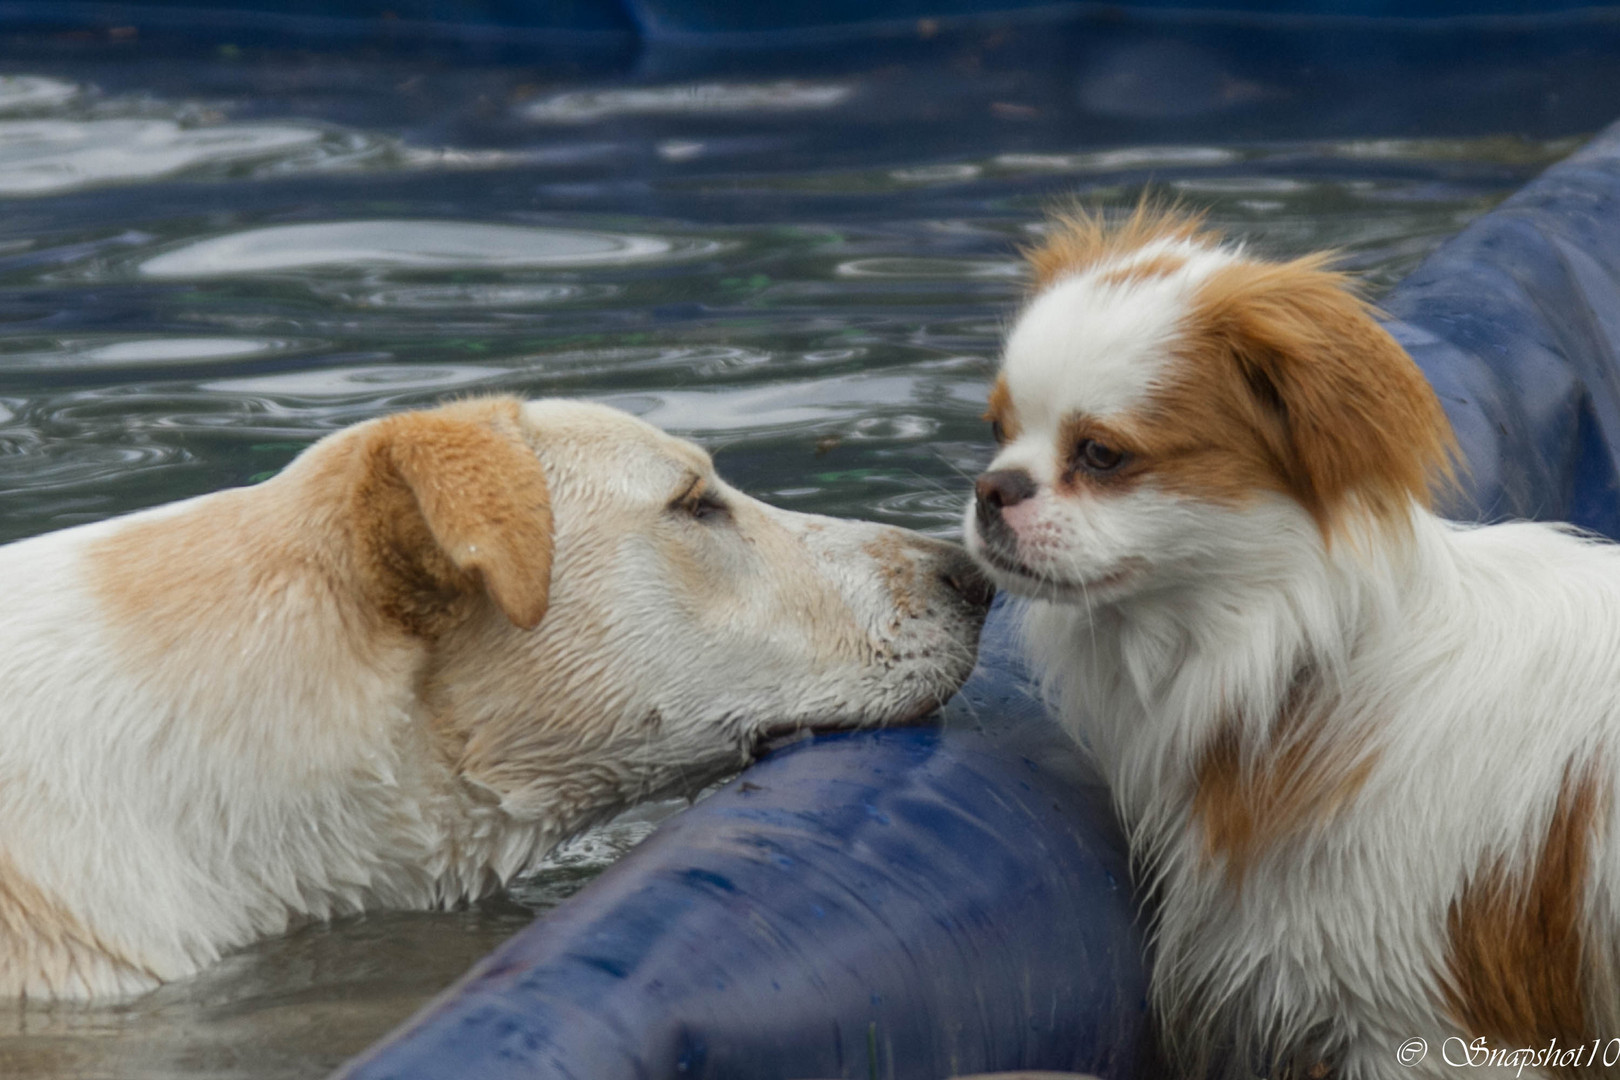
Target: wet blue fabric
x,y
1516,322
919,903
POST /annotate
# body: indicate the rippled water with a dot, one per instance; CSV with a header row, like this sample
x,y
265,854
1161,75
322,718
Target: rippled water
x,y
199,278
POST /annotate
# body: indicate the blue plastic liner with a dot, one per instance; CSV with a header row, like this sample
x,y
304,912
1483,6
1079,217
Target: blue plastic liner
x,y
920,903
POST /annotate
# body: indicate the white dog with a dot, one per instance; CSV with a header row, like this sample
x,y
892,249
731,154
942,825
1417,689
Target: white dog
x,y
400,671
1367,757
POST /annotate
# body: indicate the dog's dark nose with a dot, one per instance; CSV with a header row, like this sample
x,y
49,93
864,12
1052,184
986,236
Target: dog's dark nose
x,y
963,576
995,491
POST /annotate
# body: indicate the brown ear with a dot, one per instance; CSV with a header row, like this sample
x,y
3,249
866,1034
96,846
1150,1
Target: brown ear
x,y
1359,418
451,498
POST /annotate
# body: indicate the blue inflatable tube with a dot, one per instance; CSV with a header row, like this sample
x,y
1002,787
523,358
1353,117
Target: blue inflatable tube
x,y
901,903
1516,322
923,903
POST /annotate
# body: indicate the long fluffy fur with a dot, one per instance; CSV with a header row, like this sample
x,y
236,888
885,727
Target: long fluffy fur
x,y
1365,755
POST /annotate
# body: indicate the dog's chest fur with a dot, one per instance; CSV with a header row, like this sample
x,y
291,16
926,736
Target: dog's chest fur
x,y
1406,831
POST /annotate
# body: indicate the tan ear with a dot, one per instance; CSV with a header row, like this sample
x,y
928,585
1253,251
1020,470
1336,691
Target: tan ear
x,y
454,497
1359,418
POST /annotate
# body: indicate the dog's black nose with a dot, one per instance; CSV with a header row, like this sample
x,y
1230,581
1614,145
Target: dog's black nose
x,y
962,574
995,491
1004,487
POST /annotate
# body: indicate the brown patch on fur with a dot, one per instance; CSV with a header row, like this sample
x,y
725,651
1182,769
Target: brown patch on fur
x,y
449,498
1515,955
405,518
204,573
316,591
1288,384
1001,410
1081,239
1249,799
892,554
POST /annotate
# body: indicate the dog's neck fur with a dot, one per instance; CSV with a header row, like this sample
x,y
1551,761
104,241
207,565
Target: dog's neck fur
x,y
1149,681
1152,683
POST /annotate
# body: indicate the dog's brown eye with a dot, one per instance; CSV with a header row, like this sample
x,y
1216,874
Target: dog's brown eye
x,y
1095,457
998,433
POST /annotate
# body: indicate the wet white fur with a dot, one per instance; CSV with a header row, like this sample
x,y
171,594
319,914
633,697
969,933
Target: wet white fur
x,y
1479,663
176,810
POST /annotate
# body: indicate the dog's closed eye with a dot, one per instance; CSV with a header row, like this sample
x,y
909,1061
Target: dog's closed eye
x,y
700,504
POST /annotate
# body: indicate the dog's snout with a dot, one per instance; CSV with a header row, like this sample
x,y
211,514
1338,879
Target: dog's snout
x,y
996,491
1004,488
962,574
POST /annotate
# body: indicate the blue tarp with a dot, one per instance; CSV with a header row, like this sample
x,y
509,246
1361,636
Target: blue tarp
x,y
921,903
1516,322
1200,71
654,18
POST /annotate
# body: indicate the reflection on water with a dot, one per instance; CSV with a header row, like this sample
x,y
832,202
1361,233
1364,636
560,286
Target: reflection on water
x,y
931,268
588,105
67,354
261,264
58,136
50,156
1130,157
24,93
324,384
400,245
476,295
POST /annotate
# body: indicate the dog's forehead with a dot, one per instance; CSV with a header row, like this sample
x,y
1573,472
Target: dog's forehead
x,y
1101,341
599,438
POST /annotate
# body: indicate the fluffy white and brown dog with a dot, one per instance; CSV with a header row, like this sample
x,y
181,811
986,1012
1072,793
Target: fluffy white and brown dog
x,y
401,670
1367,757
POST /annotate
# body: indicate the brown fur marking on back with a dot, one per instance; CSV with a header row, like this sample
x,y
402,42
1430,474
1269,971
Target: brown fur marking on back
x,y
1248,799
208,571
313,591
1516,944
